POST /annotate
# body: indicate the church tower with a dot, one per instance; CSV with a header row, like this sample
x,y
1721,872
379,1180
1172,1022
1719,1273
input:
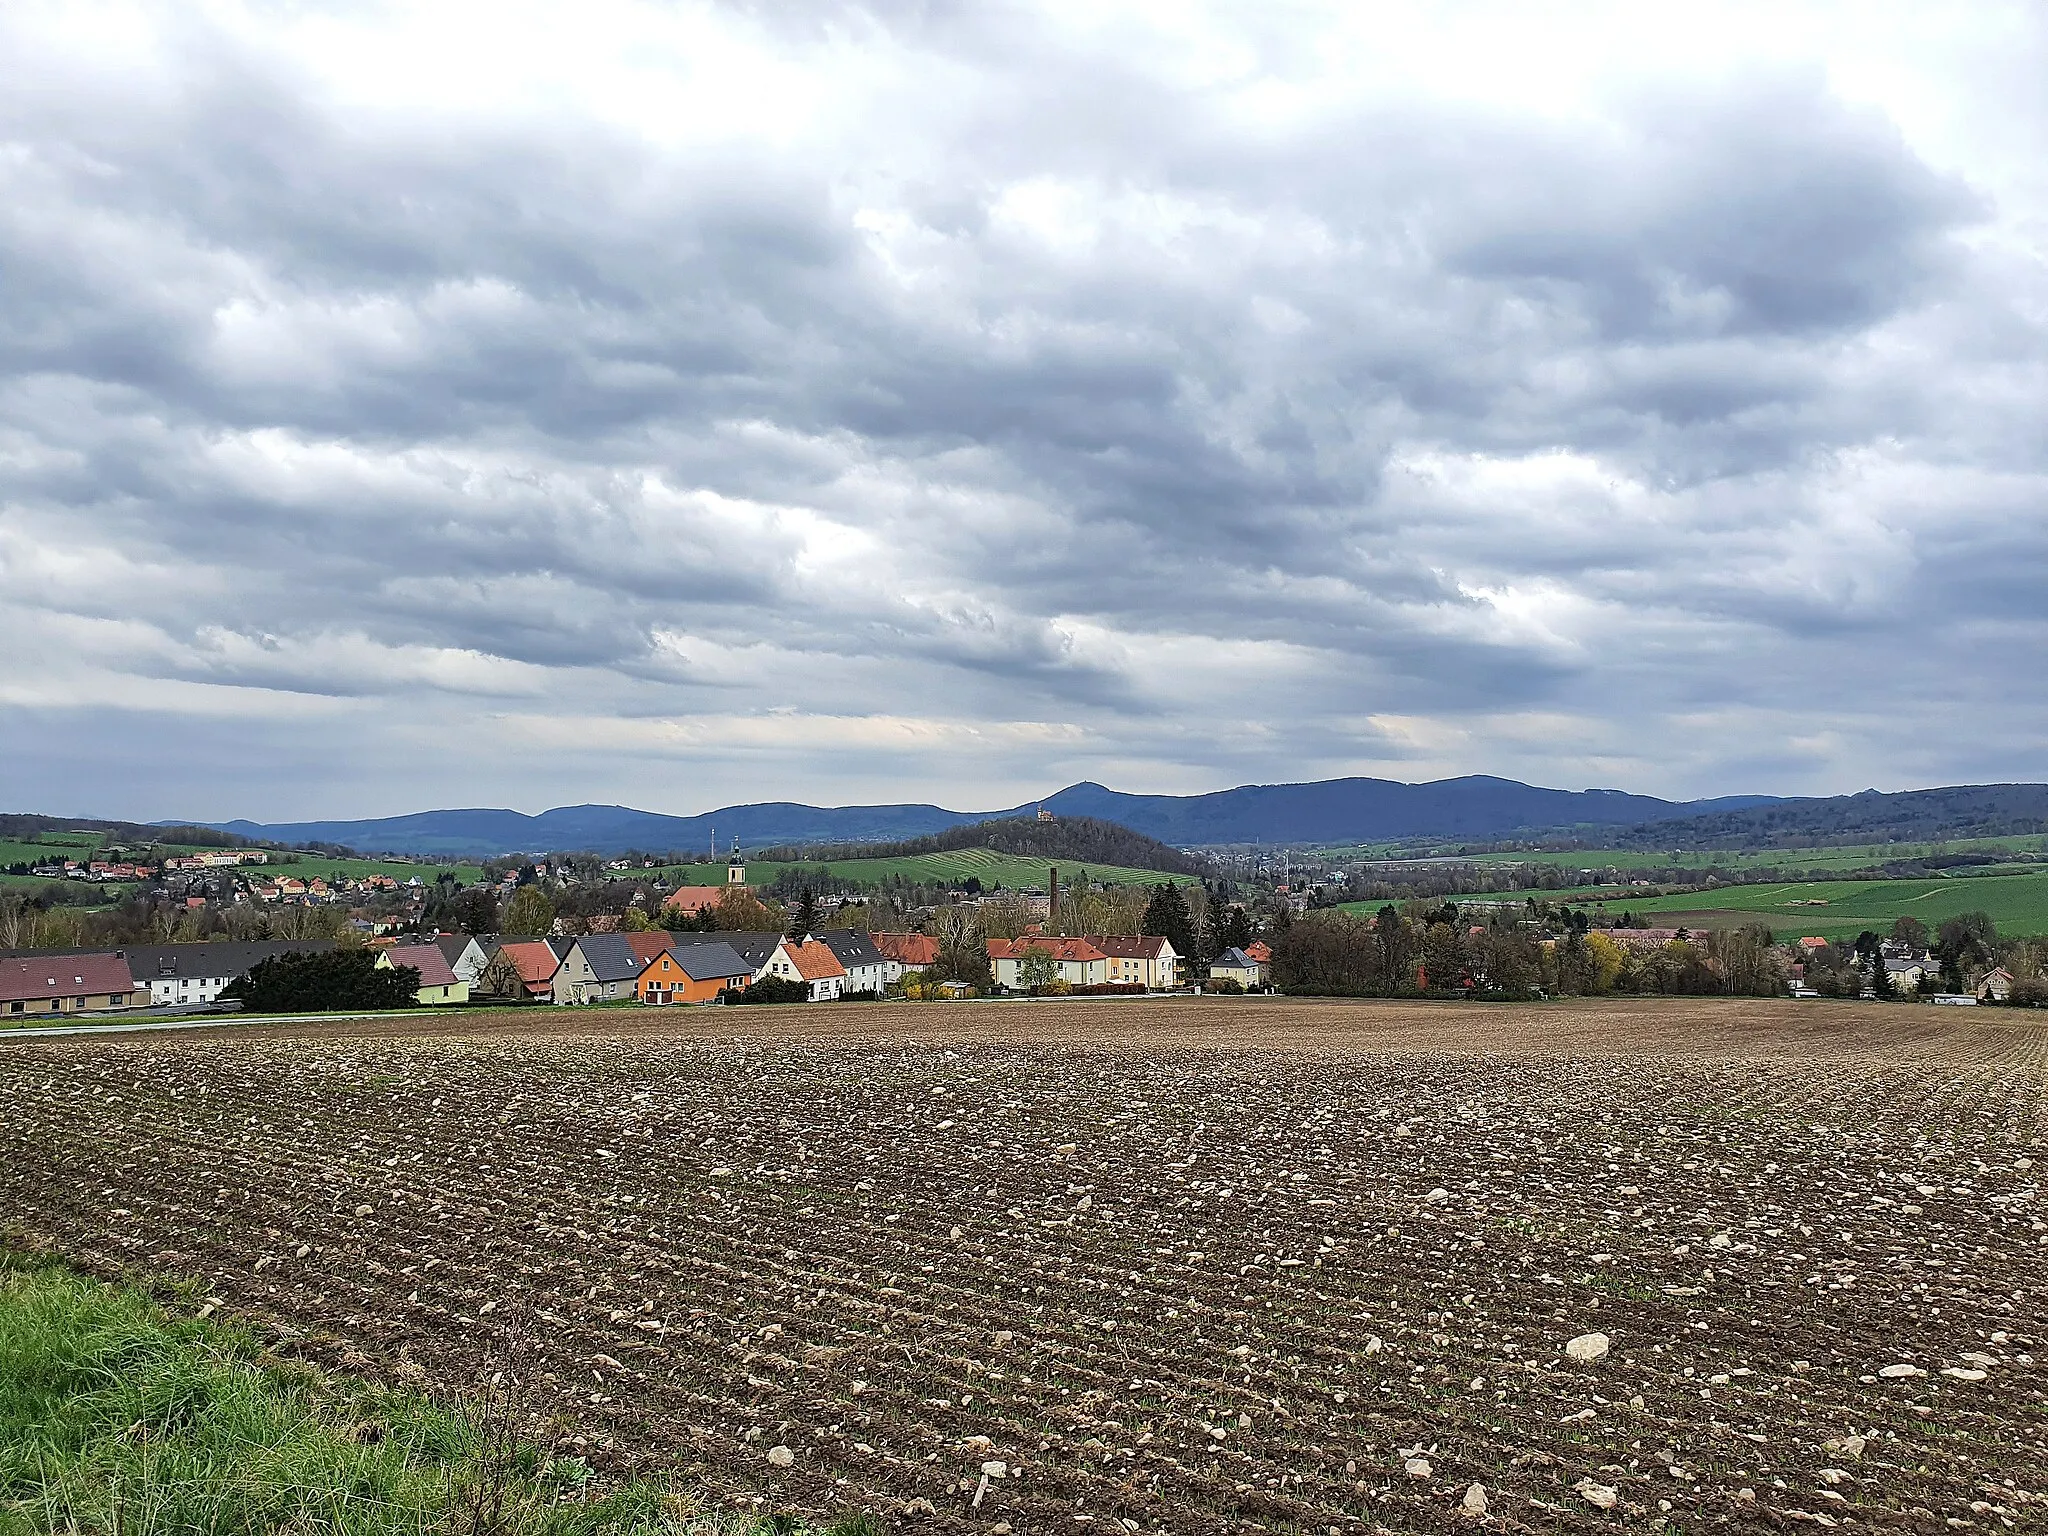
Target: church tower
x,y
735,867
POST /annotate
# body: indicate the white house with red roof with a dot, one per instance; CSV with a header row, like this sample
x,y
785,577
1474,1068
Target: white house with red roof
x,y
812,962
1076,961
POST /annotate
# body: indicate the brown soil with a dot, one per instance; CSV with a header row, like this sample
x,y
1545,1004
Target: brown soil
x,y
1178,1265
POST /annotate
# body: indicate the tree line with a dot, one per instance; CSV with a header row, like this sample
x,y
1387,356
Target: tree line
x,y
1441,952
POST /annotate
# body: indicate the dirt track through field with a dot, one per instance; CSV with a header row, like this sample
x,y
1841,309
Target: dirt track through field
x,y
1177,1266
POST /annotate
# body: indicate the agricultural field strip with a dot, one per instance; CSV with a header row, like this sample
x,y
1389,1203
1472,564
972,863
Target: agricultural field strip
x,y
1104,1270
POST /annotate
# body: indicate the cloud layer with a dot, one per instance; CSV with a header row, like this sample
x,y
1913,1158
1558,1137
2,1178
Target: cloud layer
x,y
678,405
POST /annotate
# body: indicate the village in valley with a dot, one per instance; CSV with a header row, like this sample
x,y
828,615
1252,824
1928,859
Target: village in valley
x,y
184,928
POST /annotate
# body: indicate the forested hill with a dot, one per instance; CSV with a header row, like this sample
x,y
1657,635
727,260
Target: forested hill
x,y
1077,840
1330,811
1913,815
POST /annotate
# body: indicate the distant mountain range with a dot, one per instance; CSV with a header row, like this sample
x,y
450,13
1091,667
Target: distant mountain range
x,y
1332,811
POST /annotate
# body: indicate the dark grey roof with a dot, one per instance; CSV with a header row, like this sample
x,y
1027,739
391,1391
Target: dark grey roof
x,y
609,956
454,945
191,962
1234,958
710,962
755,948
851,949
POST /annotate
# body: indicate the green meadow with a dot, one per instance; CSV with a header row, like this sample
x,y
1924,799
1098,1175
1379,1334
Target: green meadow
x,y
304,866
1839,909
54,847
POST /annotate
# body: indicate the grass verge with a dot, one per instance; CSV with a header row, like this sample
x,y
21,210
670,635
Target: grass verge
x,y
118,1419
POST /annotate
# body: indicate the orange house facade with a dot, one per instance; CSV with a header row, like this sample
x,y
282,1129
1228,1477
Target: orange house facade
x,y
694,973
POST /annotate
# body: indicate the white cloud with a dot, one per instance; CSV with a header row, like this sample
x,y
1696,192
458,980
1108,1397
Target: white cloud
x,y
942,404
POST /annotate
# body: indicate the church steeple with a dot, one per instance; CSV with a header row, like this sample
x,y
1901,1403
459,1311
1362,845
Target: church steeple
x,y
735,867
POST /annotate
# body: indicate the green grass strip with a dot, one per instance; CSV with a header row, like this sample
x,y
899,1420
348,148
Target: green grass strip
x,y
117,1419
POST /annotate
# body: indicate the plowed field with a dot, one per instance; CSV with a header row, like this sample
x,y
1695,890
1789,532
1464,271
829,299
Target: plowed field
x,y
1168,1266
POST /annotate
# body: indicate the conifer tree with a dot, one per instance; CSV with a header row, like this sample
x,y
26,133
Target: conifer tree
x,y
1166,917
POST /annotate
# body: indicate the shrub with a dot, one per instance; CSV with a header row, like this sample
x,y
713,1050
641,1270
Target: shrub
x,y
309,983
1227,986
771,989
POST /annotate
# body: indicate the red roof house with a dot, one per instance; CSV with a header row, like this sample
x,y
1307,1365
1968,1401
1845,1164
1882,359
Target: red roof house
x,y
912,951
536,963
68,984
1077,961
692,899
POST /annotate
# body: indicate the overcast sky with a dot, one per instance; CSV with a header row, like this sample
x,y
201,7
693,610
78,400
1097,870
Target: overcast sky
x,y
677,405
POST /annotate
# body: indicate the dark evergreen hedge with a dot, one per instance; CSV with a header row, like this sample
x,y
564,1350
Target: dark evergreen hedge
x,y
315,983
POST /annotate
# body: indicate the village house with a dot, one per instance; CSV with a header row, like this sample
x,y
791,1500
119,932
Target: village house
x,y
599,968
68,984
812,962
646,946
905,952
185,975
866,967
438,982
691,973
534,962
465,953
1139,960
1994,986
757,949
1235,965
1075,961
1906,975
692,900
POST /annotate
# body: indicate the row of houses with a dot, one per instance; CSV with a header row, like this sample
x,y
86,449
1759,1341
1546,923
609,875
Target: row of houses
x,y
133,976
658,968
661,968
1090,961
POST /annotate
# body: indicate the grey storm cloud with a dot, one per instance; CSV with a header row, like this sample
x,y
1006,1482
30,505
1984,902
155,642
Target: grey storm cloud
x,y
703,403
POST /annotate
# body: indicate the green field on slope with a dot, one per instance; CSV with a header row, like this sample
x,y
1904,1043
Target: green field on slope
x,y
305,866
51,848
1010,871
2018,904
